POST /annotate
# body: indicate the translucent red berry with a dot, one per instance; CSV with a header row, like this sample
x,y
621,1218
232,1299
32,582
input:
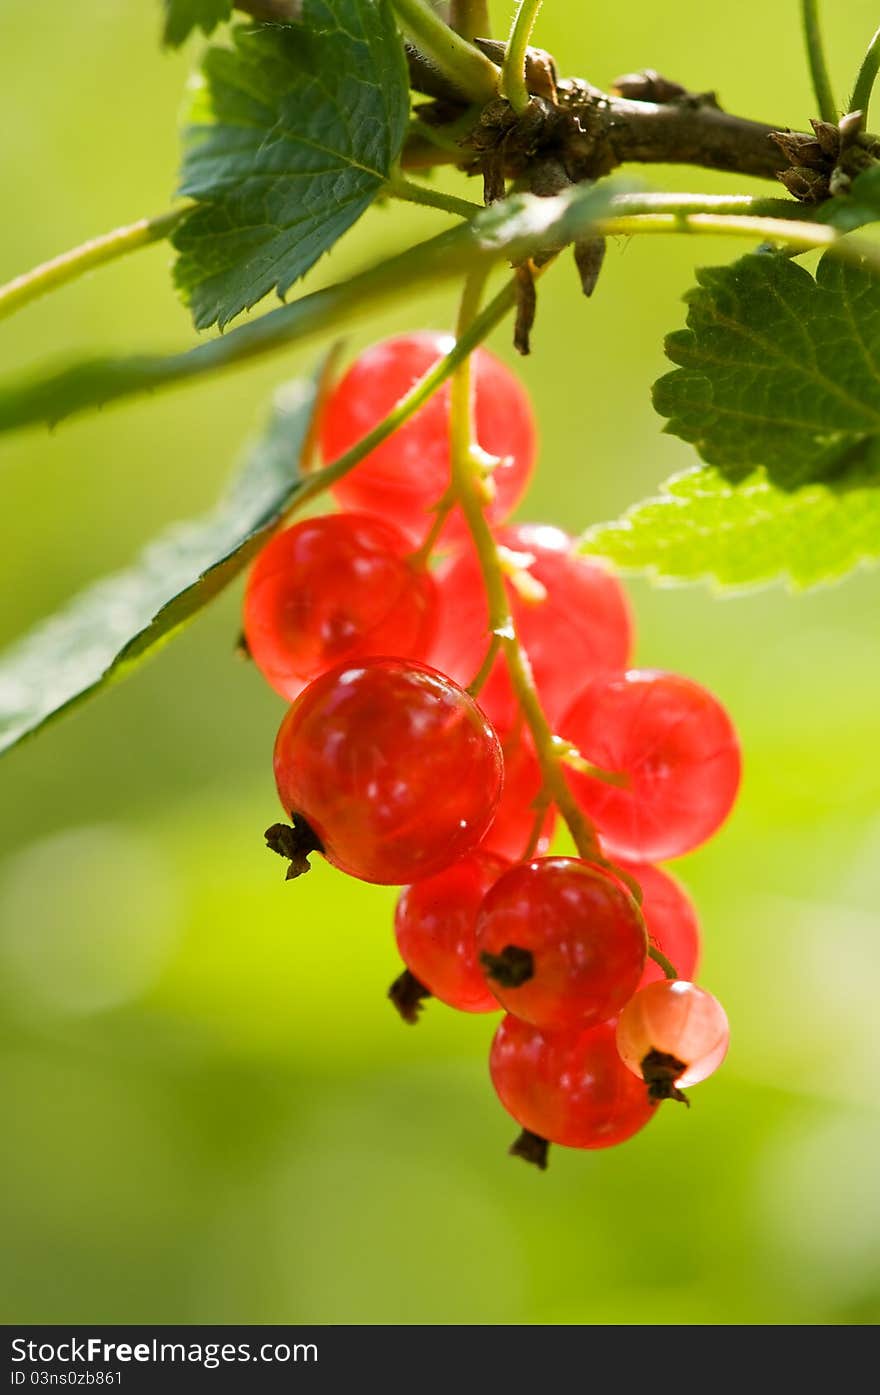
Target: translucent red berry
x,y
676,748
571,615
562,943
332,590
435,925
672,1034
390,767
568,1087
406,476
670,920
514,823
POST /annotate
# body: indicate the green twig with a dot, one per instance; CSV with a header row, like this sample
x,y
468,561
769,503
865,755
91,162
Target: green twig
x,y
472,73
476,331
861,96
70,265
513,71
46,397
470,19
828,109
407,189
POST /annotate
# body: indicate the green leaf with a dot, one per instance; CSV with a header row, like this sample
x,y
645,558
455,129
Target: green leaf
x,y
701,527
510,230
110,627
860,206
780,369
294,131
183,16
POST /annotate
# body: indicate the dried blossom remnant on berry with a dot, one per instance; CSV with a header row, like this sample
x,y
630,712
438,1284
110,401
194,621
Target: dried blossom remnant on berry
x,y
532,1148
511,968
296,843
408,995
660,1072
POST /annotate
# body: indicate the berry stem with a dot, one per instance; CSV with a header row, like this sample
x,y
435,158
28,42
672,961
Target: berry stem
x,y
469,70
485,668
818,66
660,959
70,265
442,509
466,482
513,71
541,805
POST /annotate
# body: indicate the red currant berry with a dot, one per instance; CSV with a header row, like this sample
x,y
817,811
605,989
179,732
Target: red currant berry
x,y
568,1087
672,1034
403,478
333,590
391,768
670,920
514,822
435,923
573,619
677,749
562,943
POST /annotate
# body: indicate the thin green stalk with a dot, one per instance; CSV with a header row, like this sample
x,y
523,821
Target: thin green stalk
x,y
660,958
411,192
466,483
513,70
470,338
470,19
828,109
478,681
70,265
805,236
861,97
470,70
442,509
47,397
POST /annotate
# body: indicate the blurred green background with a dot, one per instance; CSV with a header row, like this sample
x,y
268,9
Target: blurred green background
x,y
211,1114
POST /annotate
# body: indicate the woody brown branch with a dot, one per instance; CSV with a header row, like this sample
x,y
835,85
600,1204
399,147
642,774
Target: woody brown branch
x,y
590,132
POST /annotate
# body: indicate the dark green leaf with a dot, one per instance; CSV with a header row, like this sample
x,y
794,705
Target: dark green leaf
x,y
510,230
183,16
105,631
703,528
293,132
780,369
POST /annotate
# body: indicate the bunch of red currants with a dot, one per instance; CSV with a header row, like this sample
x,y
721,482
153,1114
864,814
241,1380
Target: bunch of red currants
x,y
406,758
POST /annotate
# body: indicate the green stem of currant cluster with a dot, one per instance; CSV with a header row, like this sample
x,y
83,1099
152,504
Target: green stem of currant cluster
x,y
475,76
78,260
861,97
467,485
816,57
513,70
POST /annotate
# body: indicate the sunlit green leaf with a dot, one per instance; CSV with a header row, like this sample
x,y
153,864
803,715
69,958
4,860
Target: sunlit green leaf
x,y
108,629
293,132
701,527
779,369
